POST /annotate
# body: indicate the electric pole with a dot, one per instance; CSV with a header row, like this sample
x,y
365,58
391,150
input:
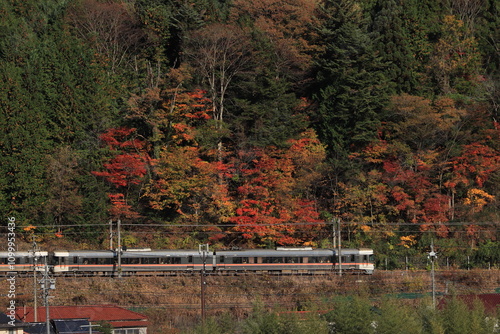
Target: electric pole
x,y
47,284
119,249
203,250
433,256
35,285
111,234
339,247
334,235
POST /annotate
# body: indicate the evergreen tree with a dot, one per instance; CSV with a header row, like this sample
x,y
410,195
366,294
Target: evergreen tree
x,y
392,42
53,95
351,89
351,316
265,107
395,318
488,36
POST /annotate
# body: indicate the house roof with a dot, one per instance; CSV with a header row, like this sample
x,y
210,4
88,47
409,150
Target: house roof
x,y
74,326
5,322
38,328
490,301
118,317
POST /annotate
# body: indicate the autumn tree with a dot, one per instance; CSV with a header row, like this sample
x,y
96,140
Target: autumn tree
x,y
218,52
125,169
186,184
269,210
110,28
455,60
468,173
287,25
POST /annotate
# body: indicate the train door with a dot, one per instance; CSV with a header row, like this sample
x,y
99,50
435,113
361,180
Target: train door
x,y
221,262
63,262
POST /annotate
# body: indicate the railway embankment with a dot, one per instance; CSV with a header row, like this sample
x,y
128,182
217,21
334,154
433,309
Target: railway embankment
x,y
175,301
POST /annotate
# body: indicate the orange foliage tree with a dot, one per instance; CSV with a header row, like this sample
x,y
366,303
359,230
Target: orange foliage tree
x,y
186,184
271,207
418,171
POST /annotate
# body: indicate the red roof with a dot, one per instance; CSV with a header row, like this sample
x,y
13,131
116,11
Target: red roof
x,y
117,316
490,301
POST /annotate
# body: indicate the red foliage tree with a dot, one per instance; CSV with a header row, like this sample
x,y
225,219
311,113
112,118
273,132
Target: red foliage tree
x,y
126,168
268,210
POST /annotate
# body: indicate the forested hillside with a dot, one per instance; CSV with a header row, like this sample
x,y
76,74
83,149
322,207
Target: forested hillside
x,y
253,123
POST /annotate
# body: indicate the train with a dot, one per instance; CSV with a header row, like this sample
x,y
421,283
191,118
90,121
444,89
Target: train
x,y
146,261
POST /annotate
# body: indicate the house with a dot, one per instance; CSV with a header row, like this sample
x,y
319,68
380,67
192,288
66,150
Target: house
x,y
122,320
9,326
67,326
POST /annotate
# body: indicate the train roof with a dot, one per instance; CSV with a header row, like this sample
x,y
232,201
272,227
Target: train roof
x,y
126,253
23,253
86,253
292,252
277,252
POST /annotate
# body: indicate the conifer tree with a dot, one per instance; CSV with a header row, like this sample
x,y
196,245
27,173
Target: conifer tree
x,y
392,42
351,88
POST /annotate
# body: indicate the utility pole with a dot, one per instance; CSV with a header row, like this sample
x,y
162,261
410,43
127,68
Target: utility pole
x,y
35,285
47,284
119,249
203,250
433,256
334,235
111,234
339,247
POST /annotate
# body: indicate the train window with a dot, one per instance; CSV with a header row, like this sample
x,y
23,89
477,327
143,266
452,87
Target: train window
x,y
173,260
221,259
272,260
190,259
240,260
150,260
106,261
320,259
293,260
353,258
